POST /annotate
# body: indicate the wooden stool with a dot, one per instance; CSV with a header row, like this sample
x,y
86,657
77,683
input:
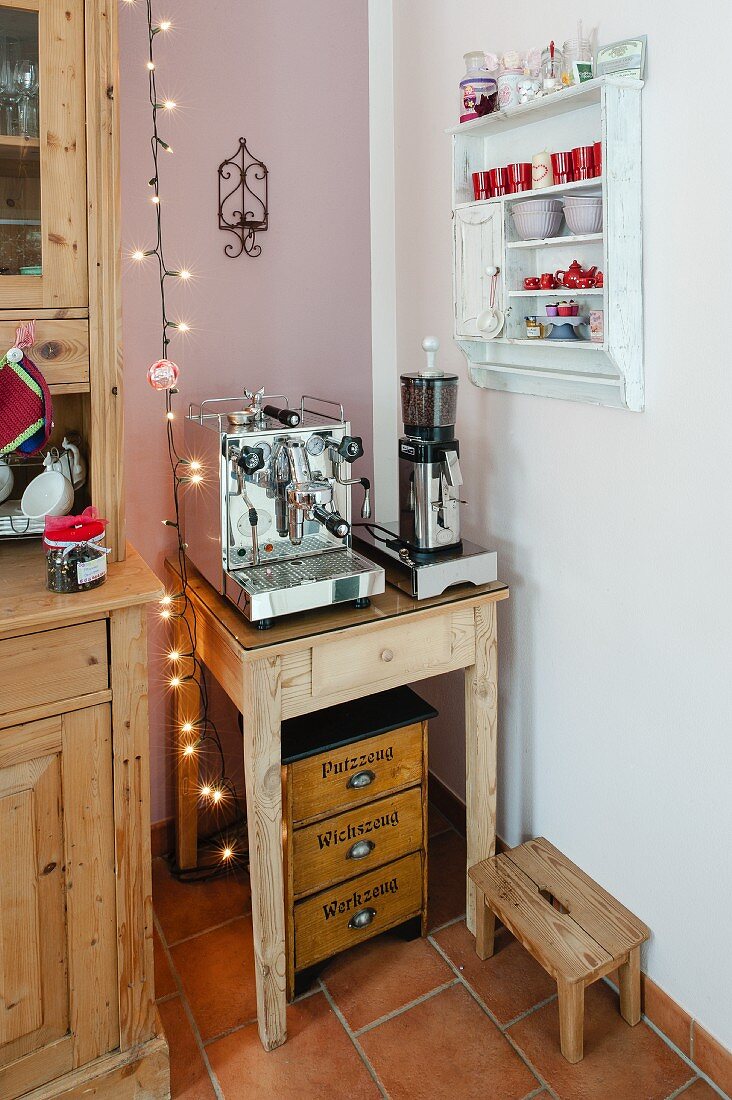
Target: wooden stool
x,y
573,928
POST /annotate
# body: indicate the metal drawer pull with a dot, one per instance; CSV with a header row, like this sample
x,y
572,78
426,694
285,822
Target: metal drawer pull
x,y
361,779
362,919
387,655
360,849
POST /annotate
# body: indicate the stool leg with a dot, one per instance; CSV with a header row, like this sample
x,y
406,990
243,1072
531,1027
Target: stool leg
x,y
571,1018
630,988
485,927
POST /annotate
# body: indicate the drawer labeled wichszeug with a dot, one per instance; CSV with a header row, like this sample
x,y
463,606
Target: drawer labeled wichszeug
x,y
337,848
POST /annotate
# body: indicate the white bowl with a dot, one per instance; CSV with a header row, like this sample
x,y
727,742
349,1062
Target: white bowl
x,y
49,494
7,480
531,226
582,200
584,219
537,206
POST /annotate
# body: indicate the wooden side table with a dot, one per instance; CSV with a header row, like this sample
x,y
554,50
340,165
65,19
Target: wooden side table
x,y
314,660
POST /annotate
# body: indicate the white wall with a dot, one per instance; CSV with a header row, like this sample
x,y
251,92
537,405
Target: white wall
x,y
613,529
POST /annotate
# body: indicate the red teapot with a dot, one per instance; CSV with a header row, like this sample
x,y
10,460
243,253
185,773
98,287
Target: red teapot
x,y
569,278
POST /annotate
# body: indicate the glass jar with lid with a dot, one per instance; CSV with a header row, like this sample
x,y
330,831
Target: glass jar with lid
x,y
478,88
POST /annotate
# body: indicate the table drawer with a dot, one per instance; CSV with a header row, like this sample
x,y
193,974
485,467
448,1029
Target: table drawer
x,y
338,918
353,774
395,654
338,847
53,665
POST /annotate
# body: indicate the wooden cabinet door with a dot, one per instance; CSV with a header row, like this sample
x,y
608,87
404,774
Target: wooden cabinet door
x,y
43,237
58,968
478,241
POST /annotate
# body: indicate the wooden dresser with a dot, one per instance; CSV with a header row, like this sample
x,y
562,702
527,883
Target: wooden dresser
x,y
77,1000
355,796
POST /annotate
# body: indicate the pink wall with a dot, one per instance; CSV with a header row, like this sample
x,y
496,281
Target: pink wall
x,y
292,79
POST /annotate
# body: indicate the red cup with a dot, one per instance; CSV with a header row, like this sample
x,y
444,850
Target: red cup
x,y
547,281
481,185
498,180
532,283
583,159
519,177
599,279
597,150
563,167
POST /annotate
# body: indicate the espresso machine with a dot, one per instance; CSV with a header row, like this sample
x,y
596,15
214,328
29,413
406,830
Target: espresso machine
x,y
268,522
423,552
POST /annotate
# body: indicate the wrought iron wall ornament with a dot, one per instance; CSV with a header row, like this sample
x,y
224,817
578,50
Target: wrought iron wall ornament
x,y
243,184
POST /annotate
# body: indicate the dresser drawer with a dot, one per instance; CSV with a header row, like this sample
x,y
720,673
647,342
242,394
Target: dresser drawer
x,y
60,351
338,918
338,847
52,666
353,774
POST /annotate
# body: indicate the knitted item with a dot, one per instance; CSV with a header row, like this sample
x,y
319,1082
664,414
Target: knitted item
x,y
26,417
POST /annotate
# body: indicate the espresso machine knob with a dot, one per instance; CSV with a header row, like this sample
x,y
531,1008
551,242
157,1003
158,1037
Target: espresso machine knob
x,y
332,522
252,459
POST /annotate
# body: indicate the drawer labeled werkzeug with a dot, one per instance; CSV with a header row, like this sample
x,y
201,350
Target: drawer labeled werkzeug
x,y
342,916
354,774
337,848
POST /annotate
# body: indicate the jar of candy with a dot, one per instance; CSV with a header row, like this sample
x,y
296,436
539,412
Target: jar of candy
x,y
76,560
478,88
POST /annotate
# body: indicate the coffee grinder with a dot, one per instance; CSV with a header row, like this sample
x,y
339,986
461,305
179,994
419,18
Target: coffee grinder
x,y
423,553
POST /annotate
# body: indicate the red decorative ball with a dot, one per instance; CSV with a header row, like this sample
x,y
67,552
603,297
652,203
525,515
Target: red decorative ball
x,y
163,375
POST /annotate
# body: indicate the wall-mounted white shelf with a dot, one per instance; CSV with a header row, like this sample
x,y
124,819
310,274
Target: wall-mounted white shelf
x,y
553,242
561,292
610,373
551,106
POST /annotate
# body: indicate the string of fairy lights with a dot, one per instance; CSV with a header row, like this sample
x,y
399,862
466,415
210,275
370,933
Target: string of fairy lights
x,y
196,736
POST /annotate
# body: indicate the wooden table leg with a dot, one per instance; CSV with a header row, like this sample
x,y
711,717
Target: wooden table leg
x,y
262,714
485,928
185,707
481,746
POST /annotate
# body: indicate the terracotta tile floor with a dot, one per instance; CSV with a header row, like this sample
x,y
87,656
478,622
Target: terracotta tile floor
x,y
412,1021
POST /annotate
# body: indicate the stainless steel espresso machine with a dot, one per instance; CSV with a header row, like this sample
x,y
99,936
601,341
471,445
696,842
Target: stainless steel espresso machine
x,y
269,522
423,553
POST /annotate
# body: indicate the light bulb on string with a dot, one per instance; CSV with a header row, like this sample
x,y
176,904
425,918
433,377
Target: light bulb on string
x,y
189,750
206,791
175,682
150,65
227,853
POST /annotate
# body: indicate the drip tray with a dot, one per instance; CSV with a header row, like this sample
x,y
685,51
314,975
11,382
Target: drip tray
x,y
300,584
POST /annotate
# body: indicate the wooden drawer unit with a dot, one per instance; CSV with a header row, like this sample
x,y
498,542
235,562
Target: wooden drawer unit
x,y
353,774
53,665
355,797
345,915
335,849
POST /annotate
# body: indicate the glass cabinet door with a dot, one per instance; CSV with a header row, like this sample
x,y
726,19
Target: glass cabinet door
x,y
42,155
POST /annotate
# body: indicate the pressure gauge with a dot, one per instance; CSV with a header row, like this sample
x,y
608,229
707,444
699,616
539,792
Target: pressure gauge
x,y
315,445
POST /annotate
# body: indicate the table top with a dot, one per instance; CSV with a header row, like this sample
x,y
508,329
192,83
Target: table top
x,y
391,604
26,603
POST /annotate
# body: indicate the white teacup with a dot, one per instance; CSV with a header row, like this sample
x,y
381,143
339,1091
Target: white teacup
x,y
49,494
7,480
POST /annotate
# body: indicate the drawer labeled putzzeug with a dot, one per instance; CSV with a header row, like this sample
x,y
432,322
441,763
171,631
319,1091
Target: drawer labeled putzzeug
x,y
356,773
339,847
342,916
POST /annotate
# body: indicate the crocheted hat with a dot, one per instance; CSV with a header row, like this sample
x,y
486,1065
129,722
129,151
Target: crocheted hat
x,y
26,412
